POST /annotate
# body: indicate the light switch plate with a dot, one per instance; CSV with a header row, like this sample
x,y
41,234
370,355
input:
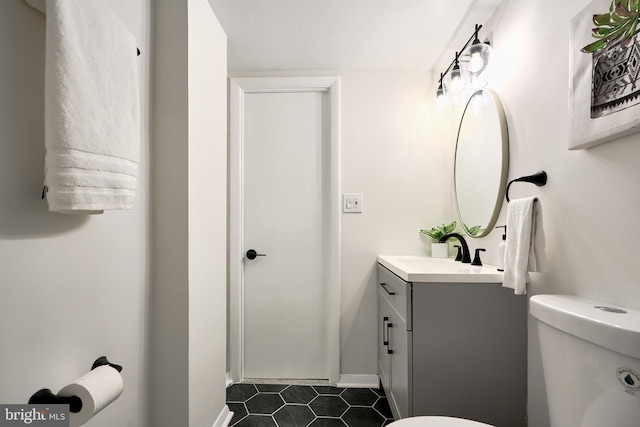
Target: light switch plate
x,y
352,202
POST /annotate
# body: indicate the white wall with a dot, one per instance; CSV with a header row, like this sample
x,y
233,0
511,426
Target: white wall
x,y
590,204
207,215
396,152
392,151
188,334
393,154
72,288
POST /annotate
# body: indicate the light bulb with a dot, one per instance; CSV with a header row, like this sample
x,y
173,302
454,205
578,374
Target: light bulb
x,y
476,63
456,80
479,54
441,99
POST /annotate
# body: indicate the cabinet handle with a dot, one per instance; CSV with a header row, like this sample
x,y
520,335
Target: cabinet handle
x,y
385,340
389,326
384,286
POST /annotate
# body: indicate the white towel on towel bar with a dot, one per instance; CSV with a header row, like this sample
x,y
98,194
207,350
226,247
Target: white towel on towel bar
x,y
524,250
92,124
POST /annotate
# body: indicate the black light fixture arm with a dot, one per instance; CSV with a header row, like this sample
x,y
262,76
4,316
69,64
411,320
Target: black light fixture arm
x,y
473,37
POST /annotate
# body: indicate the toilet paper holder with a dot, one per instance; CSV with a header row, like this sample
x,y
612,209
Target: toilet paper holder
x,y
46,396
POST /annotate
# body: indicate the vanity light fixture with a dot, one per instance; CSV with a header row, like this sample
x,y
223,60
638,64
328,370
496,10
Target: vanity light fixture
x,y
477,55
442,101
440,93
441,98
456,77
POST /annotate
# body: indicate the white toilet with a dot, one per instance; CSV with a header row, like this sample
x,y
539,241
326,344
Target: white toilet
x,y
436,422
591,361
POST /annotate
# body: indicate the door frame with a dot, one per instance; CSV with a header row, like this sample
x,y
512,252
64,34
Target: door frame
x,y
238,88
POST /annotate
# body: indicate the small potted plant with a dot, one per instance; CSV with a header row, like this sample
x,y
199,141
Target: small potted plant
x,y
439,250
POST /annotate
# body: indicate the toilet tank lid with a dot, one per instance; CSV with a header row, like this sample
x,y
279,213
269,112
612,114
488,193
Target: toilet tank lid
x,y
608,325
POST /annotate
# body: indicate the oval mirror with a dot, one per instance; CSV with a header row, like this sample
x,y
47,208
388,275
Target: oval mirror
x,y
481,163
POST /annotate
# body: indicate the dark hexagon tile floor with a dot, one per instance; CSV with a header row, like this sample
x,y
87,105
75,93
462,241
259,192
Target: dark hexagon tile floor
x,y
281,405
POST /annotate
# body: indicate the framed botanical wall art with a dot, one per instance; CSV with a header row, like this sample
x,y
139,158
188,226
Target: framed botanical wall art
x,y
604,84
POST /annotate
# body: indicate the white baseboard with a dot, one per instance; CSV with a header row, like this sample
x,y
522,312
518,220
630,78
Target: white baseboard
x,y
358,381
345,381
224,418
229,379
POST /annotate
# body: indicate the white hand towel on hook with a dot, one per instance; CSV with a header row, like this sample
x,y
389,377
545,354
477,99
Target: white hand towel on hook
x,y
92,125
524,250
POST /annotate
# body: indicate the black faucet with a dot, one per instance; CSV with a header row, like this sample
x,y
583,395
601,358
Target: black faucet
x,y
466,257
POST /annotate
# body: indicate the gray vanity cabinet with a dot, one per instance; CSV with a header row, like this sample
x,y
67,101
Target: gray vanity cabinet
x,y
394,343
453,349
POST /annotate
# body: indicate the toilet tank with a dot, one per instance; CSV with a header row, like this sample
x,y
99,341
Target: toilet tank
x,y
591,361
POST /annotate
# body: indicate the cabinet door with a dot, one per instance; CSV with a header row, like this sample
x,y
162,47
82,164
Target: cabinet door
x,y
384,358
397,292
470,352
399,342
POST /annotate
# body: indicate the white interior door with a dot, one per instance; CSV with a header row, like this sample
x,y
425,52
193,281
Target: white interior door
x,y
285,218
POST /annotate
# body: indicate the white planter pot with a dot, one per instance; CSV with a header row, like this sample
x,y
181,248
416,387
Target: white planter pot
x,y
439,250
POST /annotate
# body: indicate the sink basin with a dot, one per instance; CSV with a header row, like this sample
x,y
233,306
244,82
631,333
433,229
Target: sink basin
x,y
425,269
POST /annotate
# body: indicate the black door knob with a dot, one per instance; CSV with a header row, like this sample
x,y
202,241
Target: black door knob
x,y
252,254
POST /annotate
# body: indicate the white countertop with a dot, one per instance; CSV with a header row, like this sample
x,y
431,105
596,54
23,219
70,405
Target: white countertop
x,y
426,269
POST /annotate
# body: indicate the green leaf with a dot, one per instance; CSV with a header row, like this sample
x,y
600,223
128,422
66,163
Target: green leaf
x,y
429,233
595,46
620,31
620,23
615,20
439,231
628,35
449,228
622,11
604,19
475,230
600,32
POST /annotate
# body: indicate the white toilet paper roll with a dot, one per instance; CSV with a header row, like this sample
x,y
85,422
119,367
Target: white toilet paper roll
x,y
97,389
